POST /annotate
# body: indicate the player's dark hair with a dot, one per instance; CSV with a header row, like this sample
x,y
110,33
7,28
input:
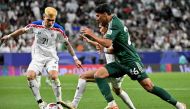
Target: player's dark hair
x,y
103,8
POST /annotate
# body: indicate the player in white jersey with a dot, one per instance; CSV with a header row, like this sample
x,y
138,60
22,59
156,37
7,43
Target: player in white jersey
x,y
44,54
115,82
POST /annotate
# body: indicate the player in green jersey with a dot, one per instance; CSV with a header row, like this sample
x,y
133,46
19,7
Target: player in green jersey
x,y
127,60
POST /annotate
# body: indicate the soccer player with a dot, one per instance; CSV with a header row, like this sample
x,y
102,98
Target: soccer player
x,y
127,60
89,75
44,55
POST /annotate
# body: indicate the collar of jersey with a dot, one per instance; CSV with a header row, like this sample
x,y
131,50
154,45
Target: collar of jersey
x,y
45,26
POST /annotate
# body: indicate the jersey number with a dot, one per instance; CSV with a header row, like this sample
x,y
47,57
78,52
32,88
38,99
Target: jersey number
x,y
45,41
129,39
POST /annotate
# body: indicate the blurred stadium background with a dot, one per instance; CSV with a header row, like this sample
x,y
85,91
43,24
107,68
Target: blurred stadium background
x,y
159,30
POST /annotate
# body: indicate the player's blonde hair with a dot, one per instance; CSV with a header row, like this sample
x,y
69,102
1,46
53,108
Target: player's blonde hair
x,y
50,12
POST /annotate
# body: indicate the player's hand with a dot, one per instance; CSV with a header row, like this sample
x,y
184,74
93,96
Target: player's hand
x,y
87,31
78,63
5,38
100,48
84,38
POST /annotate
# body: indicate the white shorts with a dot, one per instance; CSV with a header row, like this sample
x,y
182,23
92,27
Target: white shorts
x,y
38,64
116,82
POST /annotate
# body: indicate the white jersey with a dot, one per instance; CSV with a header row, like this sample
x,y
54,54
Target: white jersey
x,y
109,58
116,82
45,39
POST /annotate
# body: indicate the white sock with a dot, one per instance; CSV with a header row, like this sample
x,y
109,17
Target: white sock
x,y
38,79
56,86
33,84
125,97
79,92
48,81
180,105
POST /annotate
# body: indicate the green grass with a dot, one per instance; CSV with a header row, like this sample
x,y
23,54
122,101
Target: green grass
x,y
15,94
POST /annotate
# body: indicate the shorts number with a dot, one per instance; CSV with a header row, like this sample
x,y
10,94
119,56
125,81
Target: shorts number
x,y
134,71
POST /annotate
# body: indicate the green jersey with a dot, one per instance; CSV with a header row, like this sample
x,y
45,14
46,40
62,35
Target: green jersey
x,y
124,51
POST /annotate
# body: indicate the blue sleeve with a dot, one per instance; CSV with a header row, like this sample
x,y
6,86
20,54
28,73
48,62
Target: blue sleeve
x,y
60,28
38,22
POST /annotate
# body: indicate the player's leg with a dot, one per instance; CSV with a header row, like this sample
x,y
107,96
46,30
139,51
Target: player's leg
x,y
56,86
48,81
100,77
32,71
160,92
52,69
38,78
83,79
137,73
116,87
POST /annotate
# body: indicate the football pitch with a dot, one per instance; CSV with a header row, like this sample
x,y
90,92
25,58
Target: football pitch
x,y
15,93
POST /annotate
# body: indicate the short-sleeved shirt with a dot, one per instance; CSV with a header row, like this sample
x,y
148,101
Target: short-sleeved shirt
x,y
46,38
127,60
124,51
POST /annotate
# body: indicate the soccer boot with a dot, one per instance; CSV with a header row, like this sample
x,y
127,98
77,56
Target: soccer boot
x,y
59,106
64,104
112,107
42,105
180,105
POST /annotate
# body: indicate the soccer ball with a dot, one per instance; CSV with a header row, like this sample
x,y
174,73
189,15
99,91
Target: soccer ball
x,y
53,106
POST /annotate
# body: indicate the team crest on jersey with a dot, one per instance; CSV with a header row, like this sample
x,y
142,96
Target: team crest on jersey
x,y
52,35
109,32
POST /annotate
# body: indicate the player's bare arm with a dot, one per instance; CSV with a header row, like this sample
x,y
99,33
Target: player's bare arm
x,y
88,40
72,52
94,43
14,34
103,41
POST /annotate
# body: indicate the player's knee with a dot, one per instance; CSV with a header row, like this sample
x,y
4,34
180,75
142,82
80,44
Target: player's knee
x,y
100,75
31,75
54,76
148,87
117,91
147,84
83,76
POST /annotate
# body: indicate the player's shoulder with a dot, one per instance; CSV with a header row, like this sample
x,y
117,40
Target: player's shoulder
x,y
37,22
56,25
59,28
116,22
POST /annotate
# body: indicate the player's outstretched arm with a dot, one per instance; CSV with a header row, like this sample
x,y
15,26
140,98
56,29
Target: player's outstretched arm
x,y
72,52
103,41
94,43
88,40
14,34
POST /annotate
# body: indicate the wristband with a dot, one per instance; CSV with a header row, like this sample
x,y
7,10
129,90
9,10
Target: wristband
x,y
75,57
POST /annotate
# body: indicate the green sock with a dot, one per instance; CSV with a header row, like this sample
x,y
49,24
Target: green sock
x,y
105,89
163,94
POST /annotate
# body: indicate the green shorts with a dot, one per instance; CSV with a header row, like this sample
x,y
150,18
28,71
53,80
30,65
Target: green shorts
x,y
133,69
